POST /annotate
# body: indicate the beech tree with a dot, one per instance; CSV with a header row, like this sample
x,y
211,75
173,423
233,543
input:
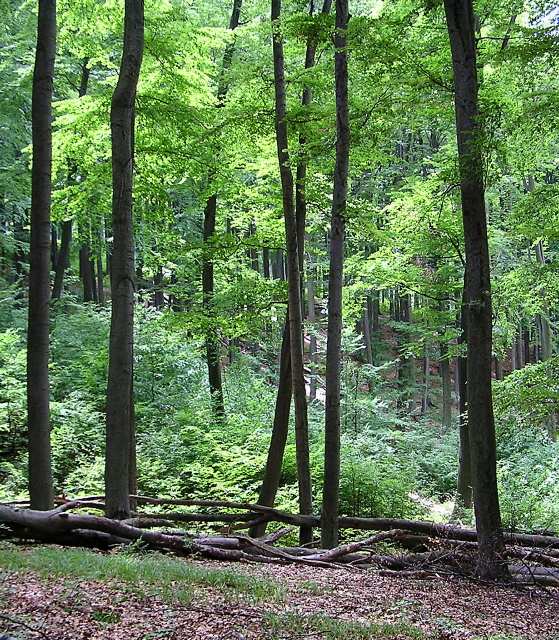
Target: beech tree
x,y
40,473
213,355
330,501
477,288
295,314
120,460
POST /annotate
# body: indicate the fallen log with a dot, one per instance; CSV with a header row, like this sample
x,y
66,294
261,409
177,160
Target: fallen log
x,y
418,531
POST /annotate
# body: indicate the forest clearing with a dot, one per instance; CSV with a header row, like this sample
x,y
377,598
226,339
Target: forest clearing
x,y
279,292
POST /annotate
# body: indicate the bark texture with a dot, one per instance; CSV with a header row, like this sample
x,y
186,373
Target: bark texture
x,y
460,23
293,275
40,472
330,499
120,418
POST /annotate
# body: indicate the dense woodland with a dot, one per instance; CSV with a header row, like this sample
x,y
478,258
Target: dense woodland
x,y
302,256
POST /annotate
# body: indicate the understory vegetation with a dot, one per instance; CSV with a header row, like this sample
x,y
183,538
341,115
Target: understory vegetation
x,y
393,465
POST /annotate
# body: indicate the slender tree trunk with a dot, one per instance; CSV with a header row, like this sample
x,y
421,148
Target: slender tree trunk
x,y
100,279
86,273
313,355
464,489
40,473
272,472
498,369
426,381
446,384
367,338
330,499
158,296
266,262
119,463
460,22
213,355
294,282
543,320
213,350
63,261
281,420
53,246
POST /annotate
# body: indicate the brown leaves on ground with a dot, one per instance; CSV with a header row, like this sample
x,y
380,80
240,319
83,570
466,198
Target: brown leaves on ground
x,y
317,604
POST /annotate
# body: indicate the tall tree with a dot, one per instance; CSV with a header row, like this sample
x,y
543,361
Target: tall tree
x,y
272,472
120,415
293,276
40,472
481,427
330,500
212,339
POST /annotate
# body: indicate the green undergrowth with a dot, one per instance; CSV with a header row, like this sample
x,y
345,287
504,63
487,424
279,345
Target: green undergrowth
x,y
291,625
170,578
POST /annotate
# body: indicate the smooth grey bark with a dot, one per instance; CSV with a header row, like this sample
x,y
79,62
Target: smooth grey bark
x,y
331,485
38,409
120,459
293,276
461,30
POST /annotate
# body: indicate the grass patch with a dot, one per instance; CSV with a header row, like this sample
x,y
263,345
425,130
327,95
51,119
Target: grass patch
x,y
289,625
171,578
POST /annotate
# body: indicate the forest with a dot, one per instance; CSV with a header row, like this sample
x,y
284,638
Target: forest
x,y
279,319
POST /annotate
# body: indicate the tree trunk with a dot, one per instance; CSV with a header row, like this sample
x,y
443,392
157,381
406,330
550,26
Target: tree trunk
x,y
330,499
63,261
367,337
460,23
120,420
313,355
158,296
40,473
100,279
266,262
272,472
406,368
464,489
426,381
213,355
446,384
53,246
86,273
543,320
294,282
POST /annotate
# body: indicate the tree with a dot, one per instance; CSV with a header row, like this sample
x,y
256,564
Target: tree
x,y
293,276
40,473
212,339
120,461
481,427
330,497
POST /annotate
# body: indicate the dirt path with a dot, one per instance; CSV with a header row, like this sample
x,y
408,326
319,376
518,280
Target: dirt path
x,y
314,604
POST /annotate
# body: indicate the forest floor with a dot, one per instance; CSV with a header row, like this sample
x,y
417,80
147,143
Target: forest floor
x,y
71,594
